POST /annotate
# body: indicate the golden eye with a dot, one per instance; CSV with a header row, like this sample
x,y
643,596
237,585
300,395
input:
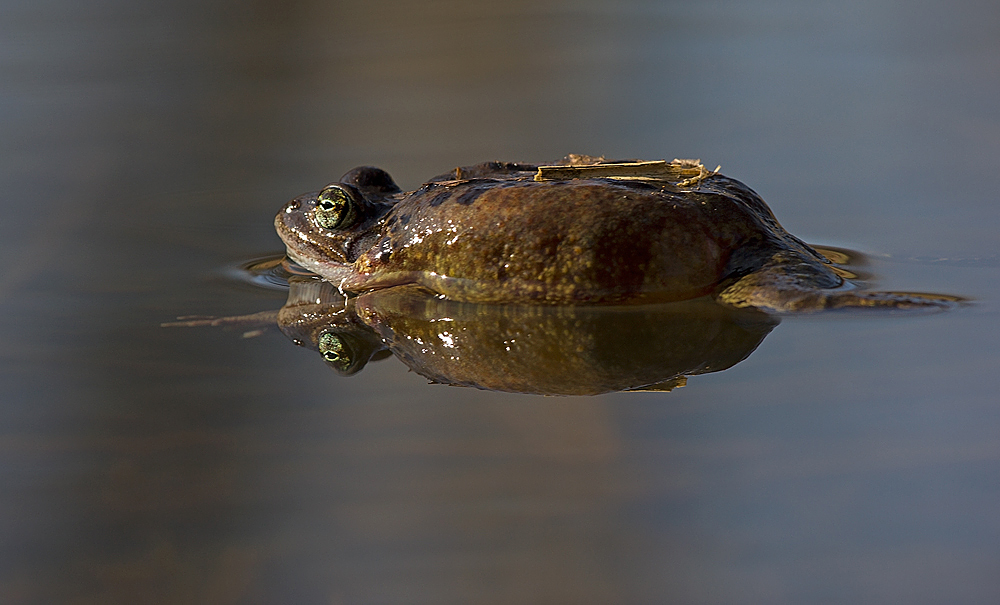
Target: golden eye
x,y
335,209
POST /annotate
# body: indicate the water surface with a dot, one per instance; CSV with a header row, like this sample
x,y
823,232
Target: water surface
x,y
850,458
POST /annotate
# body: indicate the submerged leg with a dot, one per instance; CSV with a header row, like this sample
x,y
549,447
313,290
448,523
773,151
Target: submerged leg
x,y
789,285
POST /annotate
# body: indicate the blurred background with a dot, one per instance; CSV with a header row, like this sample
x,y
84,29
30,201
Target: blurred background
x,y
147,146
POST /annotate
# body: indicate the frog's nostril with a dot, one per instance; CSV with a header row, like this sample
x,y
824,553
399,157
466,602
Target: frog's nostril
x,y
292,206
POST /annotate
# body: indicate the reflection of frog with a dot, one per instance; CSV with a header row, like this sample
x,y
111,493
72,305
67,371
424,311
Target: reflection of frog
x,y
585,232
522,348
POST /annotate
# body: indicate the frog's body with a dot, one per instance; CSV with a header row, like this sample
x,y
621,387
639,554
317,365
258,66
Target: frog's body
x,y
587,232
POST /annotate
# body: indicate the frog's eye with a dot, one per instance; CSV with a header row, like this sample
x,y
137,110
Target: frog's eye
x,y
336,208
336,351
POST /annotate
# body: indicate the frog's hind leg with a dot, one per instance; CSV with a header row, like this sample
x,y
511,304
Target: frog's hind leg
x,y
892,300
789,285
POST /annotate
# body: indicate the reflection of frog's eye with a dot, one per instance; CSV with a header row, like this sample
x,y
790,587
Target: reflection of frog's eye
x,y
335,351
335,209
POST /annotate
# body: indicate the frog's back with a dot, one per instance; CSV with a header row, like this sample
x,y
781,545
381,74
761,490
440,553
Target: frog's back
x,y
496,234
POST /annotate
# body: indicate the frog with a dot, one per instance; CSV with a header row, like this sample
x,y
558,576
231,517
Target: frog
x,y
580,231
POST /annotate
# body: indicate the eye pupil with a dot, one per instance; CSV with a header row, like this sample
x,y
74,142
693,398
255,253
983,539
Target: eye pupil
x,y
326,205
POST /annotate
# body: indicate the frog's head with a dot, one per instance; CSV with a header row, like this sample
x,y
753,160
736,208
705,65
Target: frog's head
x,y
325,231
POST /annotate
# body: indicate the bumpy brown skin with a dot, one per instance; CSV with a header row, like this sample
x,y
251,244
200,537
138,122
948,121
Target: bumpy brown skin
x,y
490,233
581,241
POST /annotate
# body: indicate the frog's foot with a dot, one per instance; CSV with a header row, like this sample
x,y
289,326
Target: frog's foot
x,y
803,287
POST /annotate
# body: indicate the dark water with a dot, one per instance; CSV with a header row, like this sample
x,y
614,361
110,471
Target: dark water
x,y
146,148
